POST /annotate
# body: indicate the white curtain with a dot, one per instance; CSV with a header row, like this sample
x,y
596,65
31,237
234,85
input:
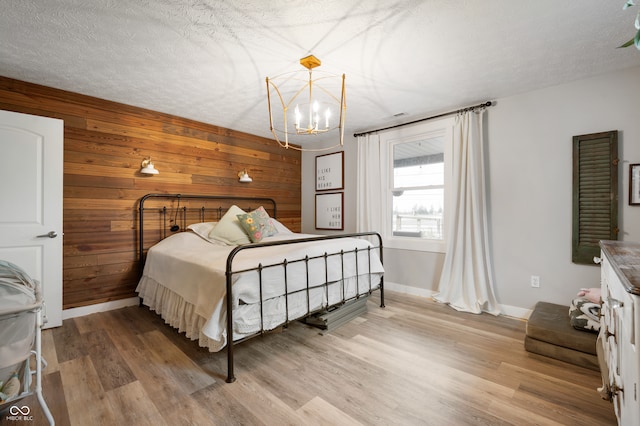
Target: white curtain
x,y
370,206
466,282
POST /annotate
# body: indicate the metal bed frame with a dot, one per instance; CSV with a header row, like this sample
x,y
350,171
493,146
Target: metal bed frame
x,y
200,214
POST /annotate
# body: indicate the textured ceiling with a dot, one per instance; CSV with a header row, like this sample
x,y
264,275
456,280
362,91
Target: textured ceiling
x,y
207,59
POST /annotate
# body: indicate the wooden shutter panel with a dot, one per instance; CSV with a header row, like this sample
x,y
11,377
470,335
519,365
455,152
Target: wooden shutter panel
x,y
595,193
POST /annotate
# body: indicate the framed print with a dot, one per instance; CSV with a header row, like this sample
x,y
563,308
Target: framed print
x,y
329,211
634,184
329,173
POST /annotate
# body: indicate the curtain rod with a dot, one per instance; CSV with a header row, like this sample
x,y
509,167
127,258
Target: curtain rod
x,y
471,108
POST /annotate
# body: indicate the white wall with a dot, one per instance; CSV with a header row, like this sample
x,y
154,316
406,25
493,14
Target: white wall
x,y
530,181
529,145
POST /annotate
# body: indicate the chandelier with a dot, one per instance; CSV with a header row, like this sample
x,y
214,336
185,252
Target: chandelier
x,y
303,104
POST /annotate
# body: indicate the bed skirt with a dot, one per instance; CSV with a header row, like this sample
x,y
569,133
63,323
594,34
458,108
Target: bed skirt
x,y
249,319
177,312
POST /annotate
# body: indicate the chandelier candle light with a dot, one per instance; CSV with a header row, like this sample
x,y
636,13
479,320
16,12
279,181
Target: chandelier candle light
x,y
304,106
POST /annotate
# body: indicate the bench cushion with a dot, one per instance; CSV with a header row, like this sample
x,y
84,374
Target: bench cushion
x,y
550,323
549,333
561,353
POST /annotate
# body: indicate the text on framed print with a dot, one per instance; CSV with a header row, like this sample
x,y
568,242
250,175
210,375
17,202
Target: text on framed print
x,y
329,171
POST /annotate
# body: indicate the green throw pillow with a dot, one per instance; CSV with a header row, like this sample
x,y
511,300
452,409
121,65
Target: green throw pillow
x,y
257,224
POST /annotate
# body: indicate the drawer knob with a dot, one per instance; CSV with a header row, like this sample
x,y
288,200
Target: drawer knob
x,y
614,303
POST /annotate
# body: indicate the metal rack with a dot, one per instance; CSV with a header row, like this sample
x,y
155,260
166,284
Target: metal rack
x,y
21,320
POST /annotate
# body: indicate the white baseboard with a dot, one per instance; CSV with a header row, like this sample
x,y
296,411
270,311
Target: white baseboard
x,y
99,307
507,310
406,289
516,312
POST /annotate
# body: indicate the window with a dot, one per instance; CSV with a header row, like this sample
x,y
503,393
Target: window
x,y
418,181
418,189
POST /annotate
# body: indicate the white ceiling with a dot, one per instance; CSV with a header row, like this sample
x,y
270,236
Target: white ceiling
x,y
207,59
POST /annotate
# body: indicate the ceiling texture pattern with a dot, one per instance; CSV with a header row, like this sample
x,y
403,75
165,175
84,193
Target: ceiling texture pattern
x,y
207,59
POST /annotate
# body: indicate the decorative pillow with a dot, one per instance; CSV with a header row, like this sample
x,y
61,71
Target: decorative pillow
x,y
585,315
257,224
228,229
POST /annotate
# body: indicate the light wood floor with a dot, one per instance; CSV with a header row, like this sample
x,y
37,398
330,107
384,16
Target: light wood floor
x,y
414,362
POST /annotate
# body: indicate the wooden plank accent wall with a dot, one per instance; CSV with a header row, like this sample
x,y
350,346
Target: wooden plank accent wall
x,y
104,144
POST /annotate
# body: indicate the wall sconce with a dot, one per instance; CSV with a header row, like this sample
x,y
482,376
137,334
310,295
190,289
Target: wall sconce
x,y
147,168
244,176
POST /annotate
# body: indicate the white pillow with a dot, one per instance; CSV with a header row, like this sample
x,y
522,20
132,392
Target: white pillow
x,y
228,230
281,228
202,229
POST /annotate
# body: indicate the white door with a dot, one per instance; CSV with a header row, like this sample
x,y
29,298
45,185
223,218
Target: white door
x,y
31,171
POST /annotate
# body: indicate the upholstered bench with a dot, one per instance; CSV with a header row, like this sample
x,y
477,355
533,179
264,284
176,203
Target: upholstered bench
x,y
549,333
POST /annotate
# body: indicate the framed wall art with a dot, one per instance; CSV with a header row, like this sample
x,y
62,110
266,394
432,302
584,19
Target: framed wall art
x,y
329,211
329,171
634,184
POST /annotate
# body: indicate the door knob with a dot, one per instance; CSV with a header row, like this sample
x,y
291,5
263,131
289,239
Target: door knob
x,y
50,234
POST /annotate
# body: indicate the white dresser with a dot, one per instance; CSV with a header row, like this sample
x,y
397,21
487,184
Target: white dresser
x,y
620,328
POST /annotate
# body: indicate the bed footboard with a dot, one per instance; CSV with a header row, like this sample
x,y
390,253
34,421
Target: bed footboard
x,y
230,272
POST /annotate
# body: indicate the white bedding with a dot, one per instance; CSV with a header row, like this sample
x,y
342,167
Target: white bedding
x,y
184,281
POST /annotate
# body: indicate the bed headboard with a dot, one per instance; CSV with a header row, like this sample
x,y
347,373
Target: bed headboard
x,y
161,215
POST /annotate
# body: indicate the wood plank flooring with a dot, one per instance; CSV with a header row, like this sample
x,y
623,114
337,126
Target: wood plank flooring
x,y
415,362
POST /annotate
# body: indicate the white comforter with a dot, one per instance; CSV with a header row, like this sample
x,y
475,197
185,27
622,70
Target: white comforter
x,y
184,280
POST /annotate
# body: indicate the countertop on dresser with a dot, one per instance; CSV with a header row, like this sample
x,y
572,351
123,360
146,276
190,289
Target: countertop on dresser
x,y
624,257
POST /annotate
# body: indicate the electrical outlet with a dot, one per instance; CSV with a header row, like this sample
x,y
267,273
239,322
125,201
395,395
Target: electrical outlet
x,y
535,281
